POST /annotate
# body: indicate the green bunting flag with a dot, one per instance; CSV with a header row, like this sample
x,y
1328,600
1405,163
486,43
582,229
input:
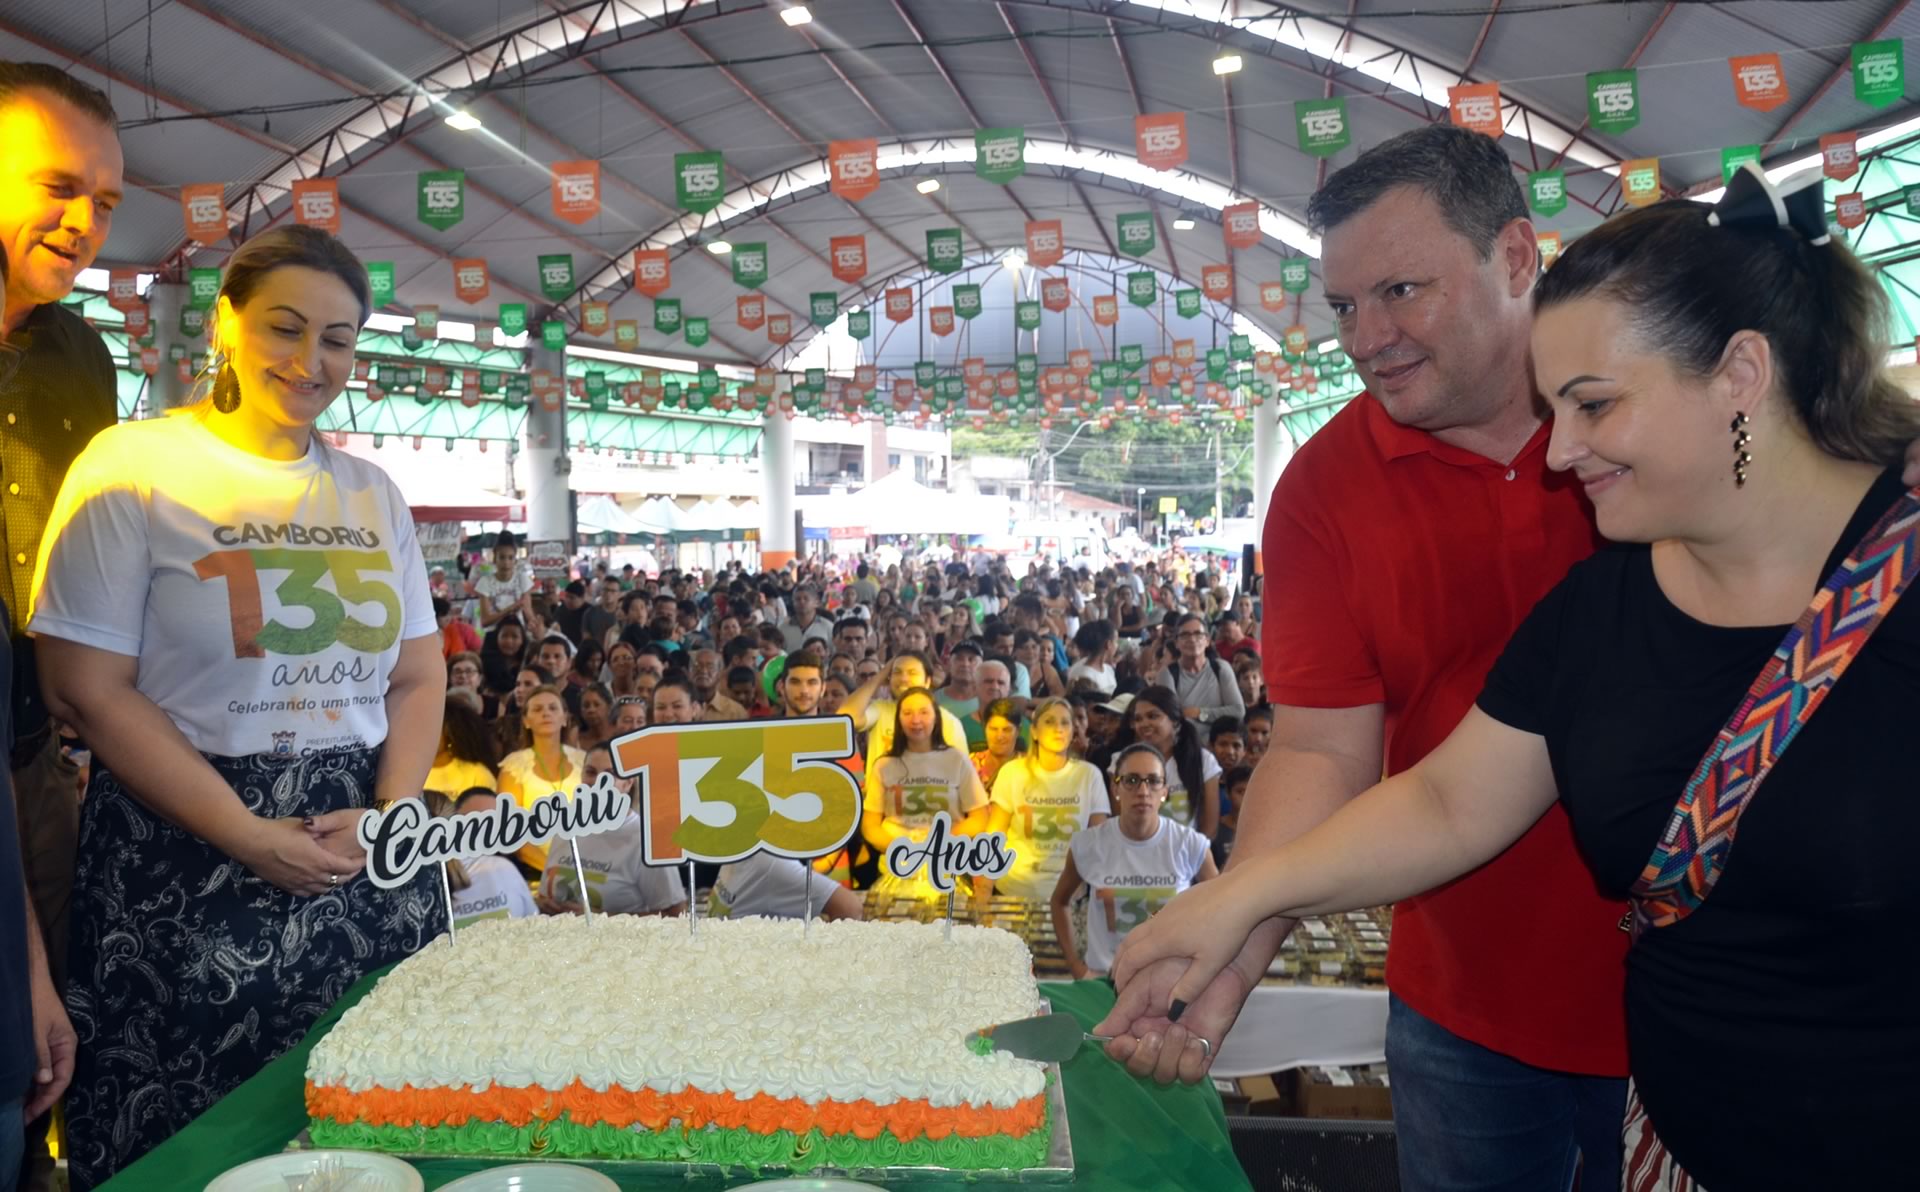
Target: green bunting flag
x,y
203,286
1135,232
943,250
193,321
1613,100
443,197
1547,191
1216,363
750,264
1132,356
553,335
925,373
860,324
1186,303
1879,72
513,318
1323,126
1143,288
966,301
556,276
699,180
379,282
1296,274
1240,347
695,329
1735,156
999,154
666,315
823,307
1026,316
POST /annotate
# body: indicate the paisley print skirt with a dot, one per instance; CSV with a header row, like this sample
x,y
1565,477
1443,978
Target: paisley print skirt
x,y
189,973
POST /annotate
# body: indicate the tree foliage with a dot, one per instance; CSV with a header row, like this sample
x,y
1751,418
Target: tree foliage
x,y
1134,453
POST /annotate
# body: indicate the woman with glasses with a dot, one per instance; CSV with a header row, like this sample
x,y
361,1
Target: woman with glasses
x,y
620,669
1134,864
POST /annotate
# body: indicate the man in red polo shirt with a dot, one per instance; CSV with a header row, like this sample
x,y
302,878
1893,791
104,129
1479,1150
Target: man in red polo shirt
x,y
1403,545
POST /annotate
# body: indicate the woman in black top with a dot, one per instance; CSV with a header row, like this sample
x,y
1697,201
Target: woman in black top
x,y
1775,1032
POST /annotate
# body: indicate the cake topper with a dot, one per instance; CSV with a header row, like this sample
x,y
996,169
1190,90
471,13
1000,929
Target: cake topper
x,y
402,839
946,854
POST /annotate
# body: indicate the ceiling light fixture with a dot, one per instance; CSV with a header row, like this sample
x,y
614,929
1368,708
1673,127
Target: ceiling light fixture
x,y
463,121
796,14
1015,260
719,248
928,185
1183,223
1226,64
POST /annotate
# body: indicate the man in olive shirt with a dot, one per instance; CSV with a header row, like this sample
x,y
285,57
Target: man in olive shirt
x,y
60,179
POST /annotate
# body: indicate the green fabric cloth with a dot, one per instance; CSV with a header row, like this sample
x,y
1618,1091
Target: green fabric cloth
x,y
1126,1134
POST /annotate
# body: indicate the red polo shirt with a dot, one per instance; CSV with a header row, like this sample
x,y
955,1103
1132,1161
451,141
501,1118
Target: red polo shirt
x,y
1397,567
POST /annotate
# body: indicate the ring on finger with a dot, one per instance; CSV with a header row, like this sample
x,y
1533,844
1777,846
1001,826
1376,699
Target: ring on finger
x,y
1206,1048
333,879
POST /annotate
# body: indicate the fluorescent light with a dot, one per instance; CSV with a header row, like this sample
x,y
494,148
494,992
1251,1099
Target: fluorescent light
x,y
1015,260
928,185
464,121
1226,64
1182,223
796,14
719,248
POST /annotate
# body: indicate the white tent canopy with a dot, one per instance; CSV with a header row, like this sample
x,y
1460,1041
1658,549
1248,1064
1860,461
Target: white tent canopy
x,y
601,515
897,504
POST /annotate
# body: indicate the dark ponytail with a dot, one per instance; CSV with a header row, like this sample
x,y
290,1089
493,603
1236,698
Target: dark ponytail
x,y
1690,287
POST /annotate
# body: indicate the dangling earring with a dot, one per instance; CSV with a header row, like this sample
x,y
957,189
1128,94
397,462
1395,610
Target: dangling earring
x,y
1741,458
226,387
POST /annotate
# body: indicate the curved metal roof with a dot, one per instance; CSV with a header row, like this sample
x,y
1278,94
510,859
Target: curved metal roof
x,y
257,94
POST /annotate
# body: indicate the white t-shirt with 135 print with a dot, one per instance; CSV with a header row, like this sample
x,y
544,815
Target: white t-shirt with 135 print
x,y
266,600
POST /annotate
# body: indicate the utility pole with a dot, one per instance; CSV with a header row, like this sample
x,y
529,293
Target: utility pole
x,y
1219,469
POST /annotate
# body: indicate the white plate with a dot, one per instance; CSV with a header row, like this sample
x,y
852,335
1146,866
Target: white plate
x,y
321,1171
534,1177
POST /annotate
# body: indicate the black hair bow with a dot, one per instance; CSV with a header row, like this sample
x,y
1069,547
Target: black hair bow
x,y
1751,201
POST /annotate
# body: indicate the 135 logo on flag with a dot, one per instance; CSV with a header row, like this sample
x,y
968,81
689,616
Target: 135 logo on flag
x,y
854,168
1045,244
316,203
1160,139
849,256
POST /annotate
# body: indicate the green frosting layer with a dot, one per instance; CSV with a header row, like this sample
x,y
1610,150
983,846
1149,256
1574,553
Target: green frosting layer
x,y
738,1148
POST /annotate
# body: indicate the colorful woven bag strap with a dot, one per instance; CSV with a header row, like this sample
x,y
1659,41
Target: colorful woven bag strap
x,y
1826,639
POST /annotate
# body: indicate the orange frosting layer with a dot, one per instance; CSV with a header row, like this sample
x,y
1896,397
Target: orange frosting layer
x,y
762,1114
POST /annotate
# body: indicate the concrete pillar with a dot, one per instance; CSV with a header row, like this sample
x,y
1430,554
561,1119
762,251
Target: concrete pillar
x,y
164,303
1272,448
777,545
549,493
877,466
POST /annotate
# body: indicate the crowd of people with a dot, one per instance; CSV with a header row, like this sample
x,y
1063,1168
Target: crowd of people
x,y
1006,702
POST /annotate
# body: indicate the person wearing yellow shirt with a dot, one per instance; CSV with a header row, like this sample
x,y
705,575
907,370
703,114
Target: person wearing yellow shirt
x,y
466,755
546,764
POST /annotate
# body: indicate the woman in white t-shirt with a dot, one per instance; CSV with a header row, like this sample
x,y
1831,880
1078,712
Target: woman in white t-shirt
x,y
1134,864
544,764
779,888
1041,801
920,775
235,617
1193,776
613,872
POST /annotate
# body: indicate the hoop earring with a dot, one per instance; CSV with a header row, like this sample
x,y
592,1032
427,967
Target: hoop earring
x,y
226,388
1741,457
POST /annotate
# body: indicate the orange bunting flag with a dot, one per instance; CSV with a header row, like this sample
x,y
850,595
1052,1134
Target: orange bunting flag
x,y
1758,81
899,305
940,320
1045,243
316,203
1476,107
1106,310
1840,155
1549,243
854,168
470,280
576,190
204,206
123,289
849,257
594,319
1216,282
750,311
652,271
1273,296
1160,140
1640,181
1850,211
1055,294
779,328
1241,225
1183,353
